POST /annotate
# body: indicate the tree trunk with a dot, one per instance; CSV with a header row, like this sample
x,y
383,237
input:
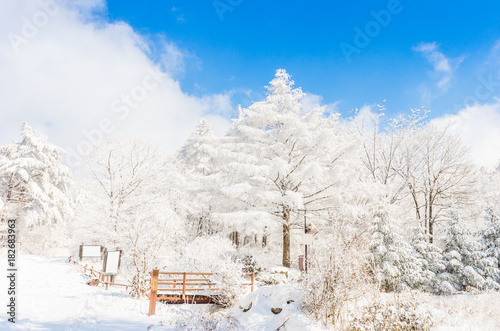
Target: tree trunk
x,y
286,245
431,231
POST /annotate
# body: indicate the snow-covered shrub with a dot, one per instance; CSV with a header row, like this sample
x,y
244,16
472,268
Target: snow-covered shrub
x,y
399,315
391,260
206,321
336,278
271,278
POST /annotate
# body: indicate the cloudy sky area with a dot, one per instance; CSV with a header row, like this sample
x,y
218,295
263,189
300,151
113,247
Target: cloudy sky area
x,y
78,69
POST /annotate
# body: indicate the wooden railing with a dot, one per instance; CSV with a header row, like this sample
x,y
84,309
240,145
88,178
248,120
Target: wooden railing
x,y
95,274
175,288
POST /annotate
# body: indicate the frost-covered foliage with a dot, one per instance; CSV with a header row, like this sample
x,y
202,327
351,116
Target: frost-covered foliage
x,y
35,187
403,314
467,266
391,259
336,278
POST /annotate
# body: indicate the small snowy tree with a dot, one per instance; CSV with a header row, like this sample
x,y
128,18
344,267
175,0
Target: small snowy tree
x,y
490,237
467,266
35,187
391,258
430,258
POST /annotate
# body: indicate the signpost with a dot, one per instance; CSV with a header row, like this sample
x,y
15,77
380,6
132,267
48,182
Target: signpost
x,y
91,251
111,263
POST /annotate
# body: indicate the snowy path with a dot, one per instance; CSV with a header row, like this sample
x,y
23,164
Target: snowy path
x,y
52,295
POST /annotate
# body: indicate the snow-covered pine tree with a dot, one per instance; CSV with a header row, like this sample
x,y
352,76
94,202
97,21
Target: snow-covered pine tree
x,y
35,187
490,237
467,266
201,161
391,258
279,161
430,258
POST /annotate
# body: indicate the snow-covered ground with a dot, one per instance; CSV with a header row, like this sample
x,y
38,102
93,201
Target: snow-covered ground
x,y
53,296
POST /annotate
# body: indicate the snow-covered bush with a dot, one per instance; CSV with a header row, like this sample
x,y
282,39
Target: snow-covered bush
x,y
336,278
391,260
399,315
271,278
206,321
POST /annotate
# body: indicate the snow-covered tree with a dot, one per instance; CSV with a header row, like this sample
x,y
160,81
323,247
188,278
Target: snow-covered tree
x,y
430,258
280,161
467,266
35,187
490,237
201,164
391,258
438,173
137,200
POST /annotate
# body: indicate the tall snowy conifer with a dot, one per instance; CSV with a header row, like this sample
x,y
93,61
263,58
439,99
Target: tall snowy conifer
x,y
279,160
35,187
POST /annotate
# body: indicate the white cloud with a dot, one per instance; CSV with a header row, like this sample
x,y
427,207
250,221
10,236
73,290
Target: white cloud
x,y
443,67
311,101
68,72
479,128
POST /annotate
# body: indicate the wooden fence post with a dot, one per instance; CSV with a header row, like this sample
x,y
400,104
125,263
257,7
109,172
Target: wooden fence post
x,y
253,280
154,290
107,281
184,287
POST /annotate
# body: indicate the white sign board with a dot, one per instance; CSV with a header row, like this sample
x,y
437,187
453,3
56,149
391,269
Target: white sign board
x,y
91,251
112,263
307,239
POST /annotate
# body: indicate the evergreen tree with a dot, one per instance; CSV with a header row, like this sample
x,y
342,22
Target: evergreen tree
x,y
34,185
490,237
430,258
391,258
467,266
279,161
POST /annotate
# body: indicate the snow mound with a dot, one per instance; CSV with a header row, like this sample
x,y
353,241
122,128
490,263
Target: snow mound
x,y
270,307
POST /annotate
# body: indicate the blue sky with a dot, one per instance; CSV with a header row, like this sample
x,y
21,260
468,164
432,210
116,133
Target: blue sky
x,y
254,38
82,70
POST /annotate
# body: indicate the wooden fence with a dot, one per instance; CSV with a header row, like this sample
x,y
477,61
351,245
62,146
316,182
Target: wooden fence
x,y
97,276
184,287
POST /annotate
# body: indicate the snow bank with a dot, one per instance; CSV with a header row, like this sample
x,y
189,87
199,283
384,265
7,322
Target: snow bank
x,y
270,307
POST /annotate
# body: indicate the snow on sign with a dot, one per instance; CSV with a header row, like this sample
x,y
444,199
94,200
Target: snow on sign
x,y
112,262
90,251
